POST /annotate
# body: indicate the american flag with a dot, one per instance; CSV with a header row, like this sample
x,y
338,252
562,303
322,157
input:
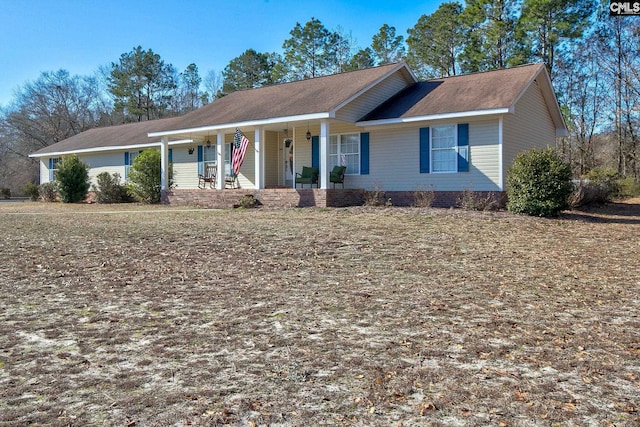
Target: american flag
x,y
240,143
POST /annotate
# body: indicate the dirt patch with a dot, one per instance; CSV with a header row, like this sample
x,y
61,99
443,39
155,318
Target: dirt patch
x,y
359,316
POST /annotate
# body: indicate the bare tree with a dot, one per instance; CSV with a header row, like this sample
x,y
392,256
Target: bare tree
x,y
212,83
54,107
581,90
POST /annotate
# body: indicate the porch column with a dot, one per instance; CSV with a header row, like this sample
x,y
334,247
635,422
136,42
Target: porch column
x,y
259,158
164,163
220,148
500,154
324,154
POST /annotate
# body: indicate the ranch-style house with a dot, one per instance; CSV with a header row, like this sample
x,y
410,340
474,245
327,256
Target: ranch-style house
x,y
392,132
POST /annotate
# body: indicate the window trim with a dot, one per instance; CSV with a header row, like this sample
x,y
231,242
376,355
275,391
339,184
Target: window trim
x,y
432,150
339,151
53,167
131,157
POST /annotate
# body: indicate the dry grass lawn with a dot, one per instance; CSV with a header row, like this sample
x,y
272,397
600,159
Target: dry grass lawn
x,y
358,317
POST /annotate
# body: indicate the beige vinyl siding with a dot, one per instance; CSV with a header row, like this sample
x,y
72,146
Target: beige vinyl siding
x,y
273,145
185,167
301,150
248,169
375,96
44,170
395,161
529,127
110,162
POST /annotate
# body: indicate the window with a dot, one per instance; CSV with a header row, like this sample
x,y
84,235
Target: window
x,y
444,149
53,166
344,150
210,156
128,161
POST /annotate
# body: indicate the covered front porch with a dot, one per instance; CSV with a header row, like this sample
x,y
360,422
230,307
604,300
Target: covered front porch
x,y
275,154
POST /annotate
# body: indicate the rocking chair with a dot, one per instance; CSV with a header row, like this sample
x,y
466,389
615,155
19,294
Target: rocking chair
x,y
209,176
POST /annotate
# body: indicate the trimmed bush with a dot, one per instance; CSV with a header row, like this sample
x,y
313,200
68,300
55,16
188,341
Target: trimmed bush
x,y
31,190
72,176
5,192
538,183
109,189
144,177
48,191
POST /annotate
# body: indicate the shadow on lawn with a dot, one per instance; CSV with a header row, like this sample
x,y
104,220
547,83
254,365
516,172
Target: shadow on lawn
x,y
609,213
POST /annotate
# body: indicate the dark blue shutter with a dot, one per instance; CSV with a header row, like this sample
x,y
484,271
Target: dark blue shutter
x,y
424,150
364,153
463,147
200,161
315,151
170,155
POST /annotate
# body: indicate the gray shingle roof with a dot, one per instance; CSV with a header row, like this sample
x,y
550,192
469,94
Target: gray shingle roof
x,y
470,92
111,136
317,95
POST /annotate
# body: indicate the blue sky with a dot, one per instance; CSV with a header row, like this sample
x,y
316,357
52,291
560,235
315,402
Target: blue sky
x,y
82,35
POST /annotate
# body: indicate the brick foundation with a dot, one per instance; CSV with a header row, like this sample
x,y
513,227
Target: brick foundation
x,y
270,197
288,197
443,199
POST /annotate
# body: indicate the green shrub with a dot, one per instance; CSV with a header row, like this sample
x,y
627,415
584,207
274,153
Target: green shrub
x,y
628,187
73,179
48,191
31,190
5,192
109,189
538,183
602,185
606,179
248,201
144,177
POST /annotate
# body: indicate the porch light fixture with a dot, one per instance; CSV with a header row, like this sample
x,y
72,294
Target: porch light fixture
x,y
208,142
191,150
308,135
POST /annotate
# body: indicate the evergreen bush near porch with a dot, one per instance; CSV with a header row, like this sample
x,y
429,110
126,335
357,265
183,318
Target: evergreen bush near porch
x,y
144,177
72,176
109,189
538,183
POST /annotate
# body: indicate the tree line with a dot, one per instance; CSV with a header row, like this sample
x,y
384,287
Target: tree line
x,y
593,60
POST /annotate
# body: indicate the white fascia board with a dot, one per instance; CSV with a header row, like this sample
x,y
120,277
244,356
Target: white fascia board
x,y
252,123
432,117
97,150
